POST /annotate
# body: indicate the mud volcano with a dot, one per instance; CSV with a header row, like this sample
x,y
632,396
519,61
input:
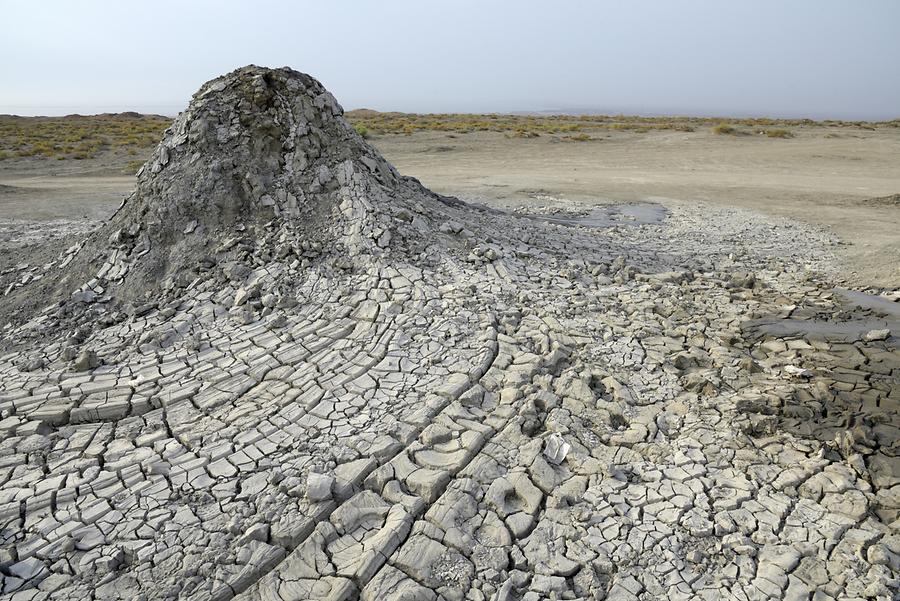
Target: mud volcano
x,y
284,371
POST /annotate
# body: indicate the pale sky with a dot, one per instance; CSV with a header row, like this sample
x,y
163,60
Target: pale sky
x,y
797,58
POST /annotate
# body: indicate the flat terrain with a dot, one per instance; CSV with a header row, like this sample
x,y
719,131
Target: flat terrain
x,y
837,180
839,177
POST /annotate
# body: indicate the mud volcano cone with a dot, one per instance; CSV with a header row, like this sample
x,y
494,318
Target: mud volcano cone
x,y
261,161
257,147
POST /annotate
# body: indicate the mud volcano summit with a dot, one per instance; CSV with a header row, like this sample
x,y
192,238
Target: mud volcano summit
x,y
283,371
260,158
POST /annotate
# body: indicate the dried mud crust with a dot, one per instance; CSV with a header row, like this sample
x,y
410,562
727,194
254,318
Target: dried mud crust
x,y
374,392
28,253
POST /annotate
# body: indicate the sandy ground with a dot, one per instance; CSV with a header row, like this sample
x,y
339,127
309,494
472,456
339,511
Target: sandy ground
x,y
825,181
824,176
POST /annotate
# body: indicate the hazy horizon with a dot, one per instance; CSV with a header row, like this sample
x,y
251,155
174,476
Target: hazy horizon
x,y
818,59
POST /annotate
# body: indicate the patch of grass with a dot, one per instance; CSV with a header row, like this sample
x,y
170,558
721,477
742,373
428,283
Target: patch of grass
x,y
779,133
362,130
723,129
79,137
522,133
130,134
527,126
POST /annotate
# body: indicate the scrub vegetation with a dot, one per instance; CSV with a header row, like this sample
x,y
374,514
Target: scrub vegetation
x,y
77,137
577,126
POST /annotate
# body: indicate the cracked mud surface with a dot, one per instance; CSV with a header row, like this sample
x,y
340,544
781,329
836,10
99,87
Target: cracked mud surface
x,y
282,371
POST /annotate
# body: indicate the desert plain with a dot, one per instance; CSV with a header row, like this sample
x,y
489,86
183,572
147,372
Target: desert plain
x,y
842,177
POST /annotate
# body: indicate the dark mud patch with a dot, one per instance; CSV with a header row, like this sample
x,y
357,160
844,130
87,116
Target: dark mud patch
x,y
845,380
610,216
858,315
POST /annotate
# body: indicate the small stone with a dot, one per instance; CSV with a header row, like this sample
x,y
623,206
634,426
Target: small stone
x,y
694,556
257,532
110,563
84,296
877,335
86,360
556,449
798,372
32,364
269,300
242,296
318,487
451,227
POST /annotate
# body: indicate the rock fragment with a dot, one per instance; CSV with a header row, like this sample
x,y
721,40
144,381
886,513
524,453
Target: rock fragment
x,y
319,487
86,360
556,449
